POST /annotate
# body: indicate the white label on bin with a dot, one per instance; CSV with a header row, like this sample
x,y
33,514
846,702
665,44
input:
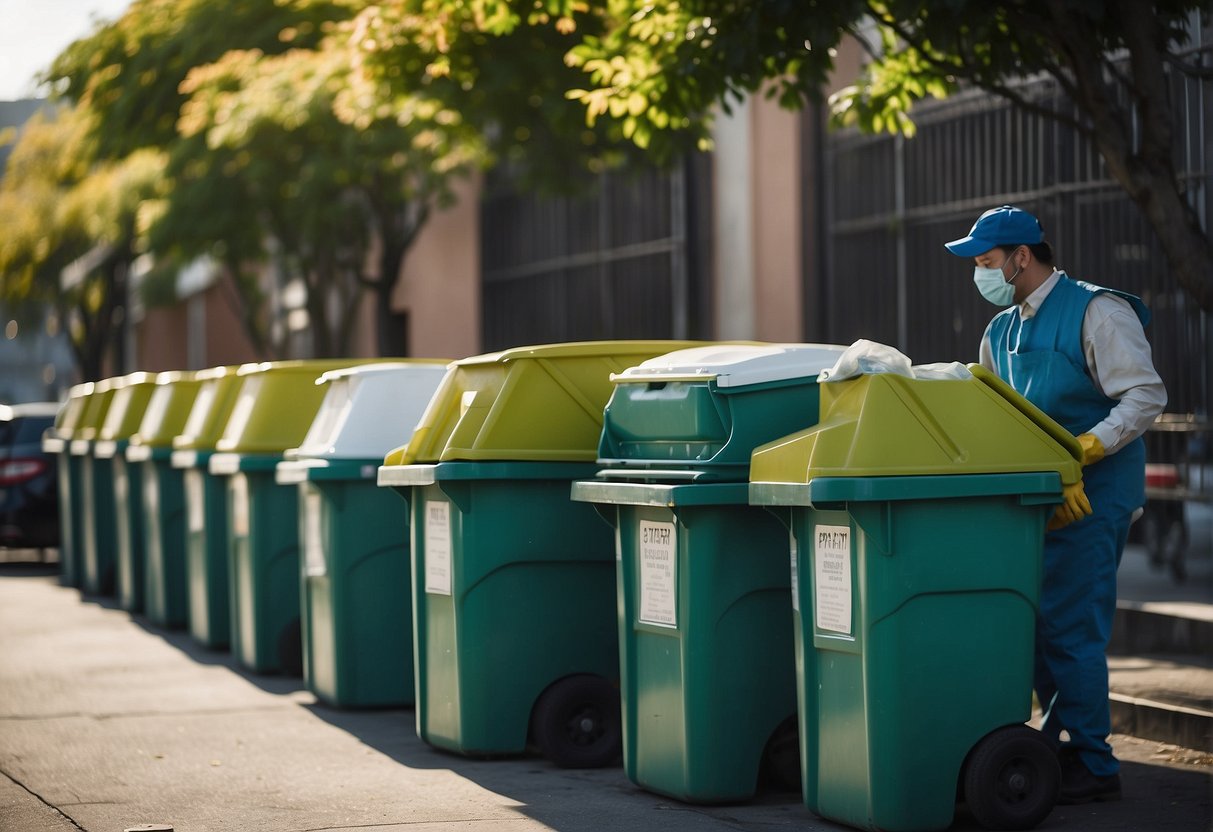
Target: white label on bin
x,y
313,540
658,550
832,576
238,492
195,511
795,576
437,548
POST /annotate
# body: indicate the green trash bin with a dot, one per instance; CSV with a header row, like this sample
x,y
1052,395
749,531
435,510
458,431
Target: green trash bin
x,y
57,440
274,409
98,533
125,414
707,670
917,512
165,596
513,584
206,506
356,604
80,450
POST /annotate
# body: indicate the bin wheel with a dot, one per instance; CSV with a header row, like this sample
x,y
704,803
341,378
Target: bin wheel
x,y
290,648
577,722
1012,778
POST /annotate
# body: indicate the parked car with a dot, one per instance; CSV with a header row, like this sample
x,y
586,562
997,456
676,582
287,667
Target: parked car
x,y
29,493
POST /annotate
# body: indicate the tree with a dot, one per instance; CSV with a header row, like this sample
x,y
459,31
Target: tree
x,y
261,135
129,76
1113,60
499,65
60,209
657,70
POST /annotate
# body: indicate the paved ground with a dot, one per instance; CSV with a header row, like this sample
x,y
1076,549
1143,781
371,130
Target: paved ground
x,y
106,724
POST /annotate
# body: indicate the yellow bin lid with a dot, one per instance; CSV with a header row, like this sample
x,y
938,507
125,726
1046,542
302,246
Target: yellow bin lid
x,y
71,414
96,410
217,388
538,403
276,404
892,425
126,411
168,410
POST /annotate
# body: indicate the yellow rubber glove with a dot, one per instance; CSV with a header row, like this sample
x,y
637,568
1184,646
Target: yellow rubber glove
x,y
1074,506
1092,448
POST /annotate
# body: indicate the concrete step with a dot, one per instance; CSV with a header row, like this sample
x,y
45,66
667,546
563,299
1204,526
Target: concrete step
x,y
1162,627
1163,698
1160,672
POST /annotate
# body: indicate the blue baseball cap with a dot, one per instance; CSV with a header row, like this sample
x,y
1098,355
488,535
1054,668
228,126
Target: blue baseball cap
x,y
1003,225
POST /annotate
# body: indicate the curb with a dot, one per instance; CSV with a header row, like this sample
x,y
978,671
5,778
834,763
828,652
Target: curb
x,y
1142,628
1174,724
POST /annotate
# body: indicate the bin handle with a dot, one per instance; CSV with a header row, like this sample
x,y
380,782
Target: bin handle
x,y
1038,417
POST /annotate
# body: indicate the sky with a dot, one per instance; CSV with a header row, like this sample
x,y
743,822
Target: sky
x,y
33,32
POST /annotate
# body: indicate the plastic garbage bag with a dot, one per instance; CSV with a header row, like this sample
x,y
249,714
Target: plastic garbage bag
x,y
866,357
942,370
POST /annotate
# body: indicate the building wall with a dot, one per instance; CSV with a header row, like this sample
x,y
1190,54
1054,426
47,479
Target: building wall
x,y
439,287
778,225
759,223
202,330
161,340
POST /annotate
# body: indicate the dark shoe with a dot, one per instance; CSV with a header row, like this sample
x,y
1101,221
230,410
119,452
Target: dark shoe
x,y
1079,785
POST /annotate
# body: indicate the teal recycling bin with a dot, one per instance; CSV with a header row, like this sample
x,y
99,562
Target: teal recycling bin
x,y
707,670
57,440
98,529
356,605
87,490
165,593
513,584
109,453
274,409
206,506
917,512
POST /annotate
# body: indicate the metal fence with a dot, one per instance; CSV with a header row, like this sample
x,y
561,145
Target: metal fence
x,y
891,203
624,259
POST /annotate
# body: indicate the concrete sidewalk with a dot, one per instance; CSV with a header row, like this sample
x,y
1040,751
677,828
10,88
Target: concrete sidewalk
x,y
106,724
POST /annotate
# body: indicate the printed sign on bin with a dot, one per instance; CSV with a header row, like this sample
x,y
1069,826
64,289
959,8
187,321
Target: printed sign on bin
x,y
437,548
832,572
658,574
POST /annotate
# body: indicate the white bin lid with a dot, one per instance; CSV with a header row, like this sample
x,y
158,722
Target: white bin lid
x,y
735,365
368,408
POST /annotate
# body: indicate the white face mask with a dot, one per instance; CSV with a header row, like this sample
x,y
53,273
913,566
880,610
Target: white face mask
x,y
994,285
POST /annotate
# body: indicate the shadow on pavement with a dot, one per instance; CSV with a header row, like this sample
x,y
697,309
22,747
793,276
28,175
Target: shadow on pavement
x,y
28,569
1155,796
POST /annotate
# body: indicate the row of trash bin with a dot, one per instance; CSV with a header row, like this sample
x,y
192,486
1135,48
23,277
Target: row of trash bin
x,y
700,557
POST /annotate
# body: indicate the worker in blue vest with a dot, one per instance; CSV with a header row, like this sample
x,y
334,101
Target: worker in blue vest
x,y
1079,353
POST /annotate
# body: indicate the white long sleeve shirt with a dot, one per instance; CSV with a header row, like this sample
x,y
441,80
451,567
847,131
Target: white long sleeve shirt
x,y
1118,360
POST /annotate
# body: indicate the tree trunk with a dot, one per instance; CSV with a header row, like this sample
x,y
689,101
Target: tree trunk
x,y
390,329
1143,166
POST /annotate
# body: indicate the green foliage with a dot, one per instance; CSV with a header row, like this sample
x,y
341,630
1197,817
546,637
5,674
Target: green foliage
x,y
501,65
47,164
58,205
128,73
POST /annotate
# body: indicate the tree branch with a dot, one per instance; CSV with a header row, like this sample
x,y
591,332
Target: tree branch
x,y
1197,70
974,75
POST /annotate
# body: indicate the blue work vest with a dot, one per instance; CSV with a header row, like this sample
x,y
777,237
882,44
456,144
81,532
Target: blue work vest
x,y
1043,359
